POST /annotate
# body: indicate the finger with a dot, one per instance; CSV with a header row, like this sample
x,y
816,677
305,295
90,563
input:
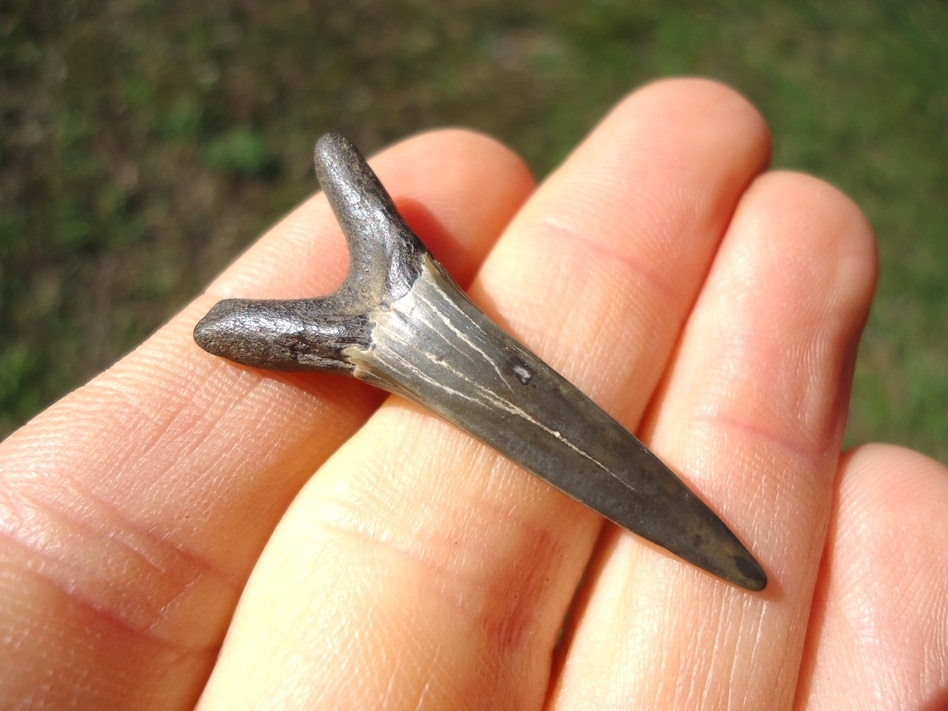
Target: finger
x,y
878,634
751,412
133,510
431,570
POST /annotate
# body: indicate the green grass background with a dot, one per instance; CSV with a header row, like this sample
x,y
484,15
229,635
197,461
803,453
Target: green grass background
x,y
145,143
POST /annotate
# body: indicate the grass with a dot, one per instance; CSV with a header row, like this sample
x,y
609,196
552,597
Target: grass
x,y
144,144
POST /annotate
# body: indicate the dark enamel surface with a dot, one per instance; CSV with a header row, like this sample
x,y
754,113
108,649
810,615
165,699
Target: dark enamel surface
x,y
401,323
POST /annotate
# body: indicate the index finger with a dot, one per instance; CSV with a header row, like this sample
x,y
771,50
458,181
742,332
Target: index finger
x,y
134,509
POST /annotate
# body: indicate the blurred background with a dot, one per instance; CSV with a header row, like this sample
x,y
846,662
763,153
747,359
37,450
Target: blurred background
x,y
145,143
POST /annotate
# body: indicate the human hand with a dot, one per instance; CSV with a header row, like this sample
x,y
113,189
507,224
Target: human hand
x,y
709,305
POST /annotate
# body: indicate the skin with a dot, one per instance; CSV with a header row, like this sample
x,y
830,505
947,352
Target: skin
x,y
182,530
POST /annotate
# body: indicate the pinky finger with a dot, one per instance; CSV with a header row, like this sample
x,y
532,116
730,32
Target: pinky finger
x,y
878,635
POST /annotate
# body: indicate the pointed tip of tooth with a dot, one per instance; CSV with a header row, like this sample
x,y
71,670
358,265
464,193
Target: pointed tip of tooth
x,y
750,574
734,563
697,535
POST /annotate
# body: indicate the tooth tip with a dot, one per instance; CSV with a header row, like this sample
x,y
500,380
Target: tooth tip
x,y
750,574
